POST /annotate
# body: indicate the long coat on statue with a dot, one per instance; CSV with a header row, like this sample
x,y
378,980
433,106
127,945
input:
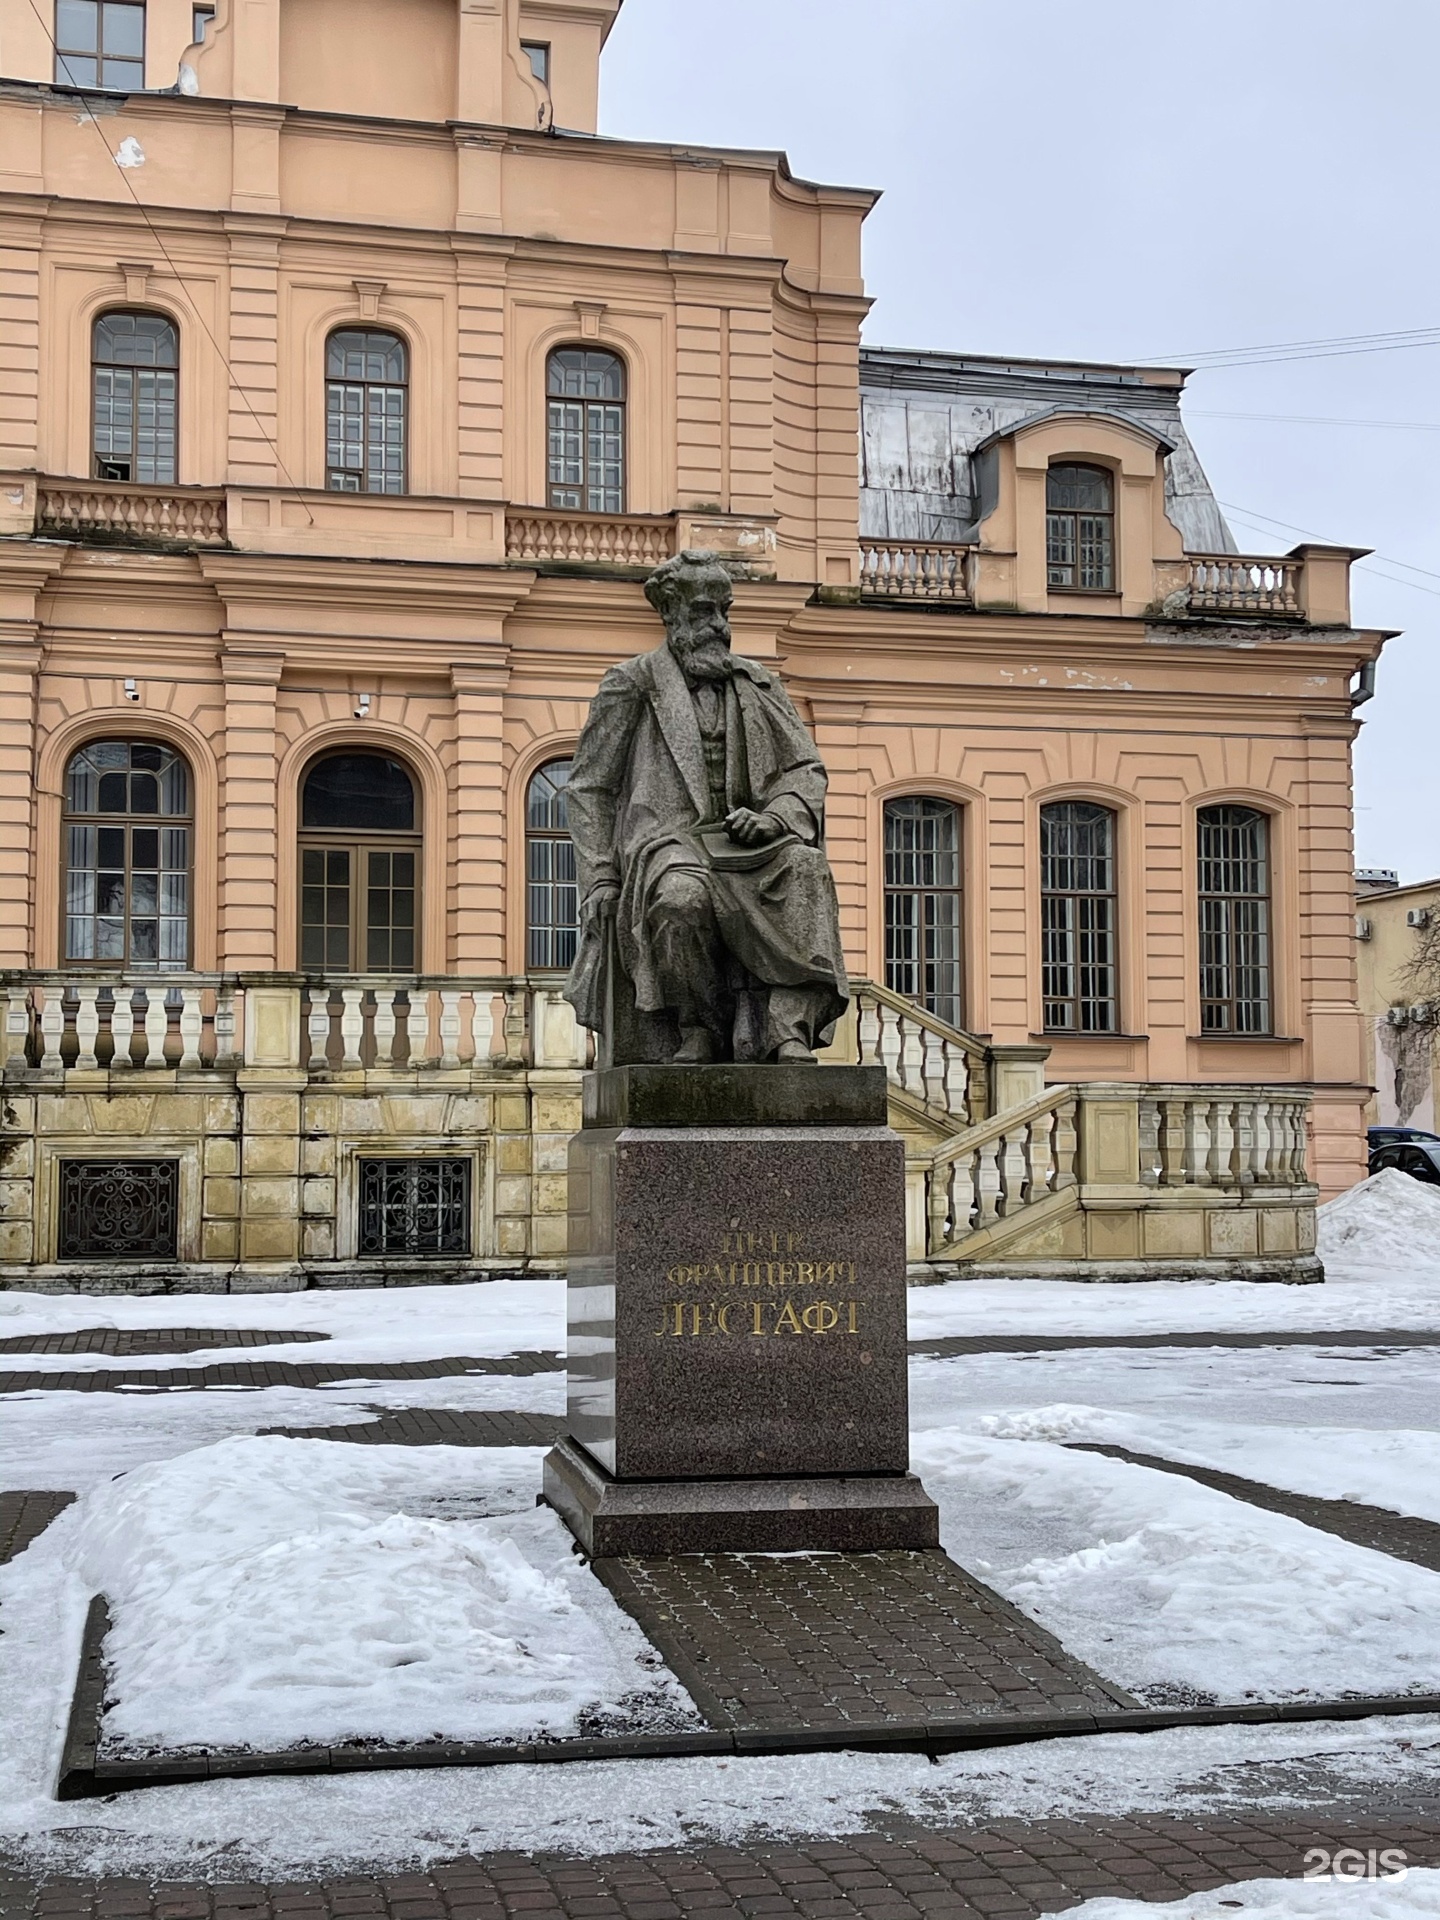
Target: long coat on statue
x,y
637,794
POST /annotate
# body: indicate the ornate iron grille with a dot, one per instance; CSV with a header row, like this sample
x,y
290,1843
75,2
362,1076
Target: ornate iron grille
x,y
118,1209
417,1207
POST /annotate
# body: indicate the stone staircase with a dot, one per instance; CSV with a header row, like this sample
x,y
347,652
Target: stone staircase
x,y
1090,1180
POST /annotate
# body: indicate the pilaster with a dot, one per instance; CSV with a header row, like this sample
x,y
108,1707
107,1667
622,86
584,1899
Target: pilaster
x,y
477,896
253,456
249,852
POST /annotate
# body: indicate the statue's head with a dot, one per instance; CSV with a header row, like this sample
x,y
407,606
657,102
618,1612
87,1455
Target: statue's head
x,y
692,595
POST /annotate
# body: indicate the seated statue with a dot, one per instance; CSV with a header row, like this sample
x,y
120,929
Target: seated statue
x,y
709,928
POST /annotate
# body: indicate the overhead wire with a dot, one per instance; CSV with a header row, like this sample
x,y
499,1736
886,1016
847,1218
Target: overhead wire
x,y
1265,523
155,234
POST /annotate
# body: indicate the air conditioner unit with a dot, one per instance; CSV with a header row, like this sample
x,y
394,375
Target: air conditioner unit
x,y
1418,917
1363,928
1418,1015
1397,1016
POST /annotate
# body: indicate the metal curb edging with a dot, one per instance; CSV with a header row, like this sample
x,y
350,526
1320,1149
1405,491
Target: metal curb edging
x,y
84,1776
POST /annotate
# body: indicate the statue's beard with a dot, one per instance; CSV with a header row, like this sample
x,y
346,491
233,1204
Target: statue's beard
x,y
708,661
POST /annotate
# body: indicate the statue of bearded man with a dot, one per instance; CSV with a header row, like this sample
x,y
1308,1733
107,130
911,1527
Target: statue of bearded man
x,y
709,924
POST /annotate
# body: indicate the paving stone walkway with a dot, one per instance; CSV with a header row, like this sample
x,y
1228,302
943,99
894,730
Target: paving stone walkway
x,y
440,1427
837,1641
138,1343
273,1373
24,1517
1002,1870
955,1346
1397,1534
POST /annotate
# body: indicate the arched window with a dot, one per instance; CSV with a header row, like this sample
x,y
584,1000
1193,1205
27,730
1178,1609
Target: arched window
x,y
128,816
366,386
1080,528
922,904
587,431
135,383
1233,844
1077,917
359,866
552,895
100,43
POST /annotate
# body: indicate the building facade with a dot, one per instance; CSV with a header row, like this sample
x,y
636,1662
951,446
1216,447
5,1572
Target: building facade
x,y
1399,1012
353,386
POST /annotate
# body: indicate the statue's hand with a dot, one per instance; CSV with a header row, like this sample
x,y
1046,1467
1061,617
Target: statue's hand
x,y
753,829
600,904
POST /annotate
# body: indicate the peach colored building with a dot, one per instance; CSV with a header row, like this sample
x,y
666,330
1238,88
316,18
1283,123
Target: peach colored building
x,y
351,387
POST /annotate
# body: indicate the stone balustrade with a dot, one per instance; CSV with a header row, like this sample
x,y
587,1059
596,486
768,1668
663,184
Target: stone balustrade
x,y
121,510
589,539
915,570
994,1170
1241,584
937,1066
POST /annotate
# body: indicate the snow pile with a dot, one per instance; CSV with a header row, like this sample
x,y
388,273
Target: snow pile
x,y
1389,1220
271,1592
1162,1584
1414,1893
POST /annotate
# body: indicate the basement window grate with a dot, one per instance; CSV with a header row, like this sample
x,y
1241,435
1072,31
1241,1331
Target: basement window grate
x,y
118,1209
415,1207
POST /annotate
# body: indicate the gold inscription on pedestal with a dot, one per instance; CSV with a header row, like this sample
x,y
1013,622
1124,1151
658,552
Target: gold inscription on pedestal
x,y
775,1262
755,1319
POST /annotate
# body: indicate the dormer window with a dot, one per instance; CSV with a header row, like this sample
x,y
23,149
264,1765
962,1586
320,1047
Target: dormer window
x,y
1080,529
537,52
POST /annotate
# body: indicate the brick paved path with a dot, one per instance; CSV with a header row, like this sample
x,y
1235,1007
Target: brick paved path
x,y
274,1373
24,1517
140,1342
956,1346
440,1427
1004,1870
1397,1534
848,1640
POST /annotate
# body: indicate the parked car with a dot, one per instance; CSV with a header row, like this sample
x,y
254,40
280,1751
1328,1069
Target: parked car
x,y
1412,1150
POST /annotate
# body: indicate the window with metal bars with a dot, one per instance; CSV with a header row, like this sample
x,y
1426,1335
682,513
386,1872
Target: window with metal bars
x,y
1077,917
586,391
1080,528
100,43
415,1207
552,891
135,394
118,1210
127,833
1233,845
359,867
923,904
366,405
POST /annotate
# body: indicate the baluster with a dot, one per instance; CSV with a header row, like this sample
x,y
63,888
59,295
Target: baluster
x,y
912,1055
1300,1174
1066,1143
87,1024
224,1026
890,1043
122,1028
52,1027
1197,1142
352,1028
482,1029
937,1204
954,1097
1172,1143
1245,1144
867,1029
157,1025
989,1188
1149,1121
17,1028
1222,1143
1013,1171
449,1027
317,1025
1261,1157
192,1027
517,1006
384,1026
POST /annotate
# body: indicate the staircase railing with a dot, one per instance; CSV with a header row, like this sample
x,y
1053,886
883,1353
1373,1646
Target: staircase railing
x,y
991,1171
937,1065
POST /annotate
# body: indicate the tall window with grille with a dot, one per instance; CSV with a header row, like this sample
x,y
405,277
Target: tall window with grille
x,y
359,867
367,375
922,904
587,431
1080,528
100,43
1077,917
1235,936
128,823
552,893
135,395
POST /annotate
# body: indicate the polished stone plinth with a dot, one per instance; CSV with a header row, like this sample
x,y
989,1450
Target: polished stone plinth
x,y
737,1309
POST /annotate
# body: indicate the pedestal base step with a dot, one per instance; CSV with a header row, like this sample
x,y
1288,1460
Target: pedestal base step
x,y
622,1517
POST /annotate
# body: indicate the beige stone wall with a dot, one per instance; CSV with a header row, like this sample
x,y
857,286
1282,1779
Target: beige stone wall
x,y
1400,1057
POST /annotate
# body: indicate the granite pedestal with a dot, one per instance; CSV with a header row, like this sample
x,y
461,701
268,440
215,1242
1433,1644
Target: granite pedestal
x,y
737,1309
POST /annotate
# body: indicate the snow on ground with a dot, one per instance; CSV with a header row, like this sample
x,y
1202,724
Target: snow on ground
x,y
67,1442
1415,1892
1387,1221
1174,1590
273,1592
384,1323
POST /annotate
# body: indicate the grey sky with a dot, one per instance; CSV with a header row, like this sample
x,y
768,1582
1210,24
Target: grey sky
x,y
1139,179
